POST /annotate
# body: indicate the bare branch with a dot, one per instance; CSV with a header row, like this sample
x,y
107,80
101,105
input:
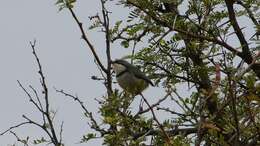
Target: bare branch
x,y
85,38
23,141
30,97
153,105
167,138
43,127
14,127
61,130
87,113
46,95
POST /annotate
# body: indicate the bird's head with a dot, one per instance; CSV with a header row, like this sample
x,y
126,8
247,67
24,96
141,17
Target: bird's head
x,y
119,66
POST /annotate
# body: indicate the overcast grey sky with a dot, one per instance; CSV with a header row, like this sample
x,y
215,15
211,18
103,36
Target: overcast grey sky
x,y
66,61
67,64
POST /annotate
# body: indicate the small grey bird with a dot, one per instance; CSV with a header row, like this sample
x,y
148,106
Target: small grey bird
x,y
129,77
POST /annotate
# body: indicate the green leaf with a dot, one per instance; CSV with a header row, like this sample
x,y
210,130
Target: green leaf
x,y
125,44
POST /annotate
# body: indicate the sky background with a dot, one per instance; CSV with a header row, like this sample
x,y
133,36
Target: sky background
x,y
67,64
66,61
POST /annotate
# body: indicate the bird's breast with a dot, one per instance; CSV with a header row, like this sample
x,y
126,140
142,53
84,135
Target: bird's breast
x,y
131,84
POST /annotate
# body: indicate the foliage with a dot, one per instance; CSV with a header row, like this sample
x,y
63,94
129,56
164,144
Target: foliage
x,y
184,43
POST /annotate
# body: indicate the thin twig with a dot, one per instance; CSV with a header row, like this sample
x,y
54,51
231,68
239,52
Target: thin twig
x,y
14,127
153,105
88,113
167,138
232,94
43,127
40,104
61,130
250,13
30,97
84,36
173,132
46,95
23,141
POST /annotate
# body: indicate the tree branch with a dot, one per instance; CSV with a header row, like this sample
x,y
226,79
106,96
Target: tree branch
x,y
87,113
174,132
153,105
14,127
166,136
46,95
246,55
85,38
108,53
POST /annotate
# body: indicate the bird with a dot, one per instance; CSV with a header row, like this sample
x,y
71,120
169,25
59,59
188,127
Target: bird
x,y
129,77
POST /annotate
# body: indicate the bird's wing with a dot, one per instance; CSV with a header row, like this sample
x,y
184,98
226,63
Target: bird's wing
x,y
141,75
136,71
